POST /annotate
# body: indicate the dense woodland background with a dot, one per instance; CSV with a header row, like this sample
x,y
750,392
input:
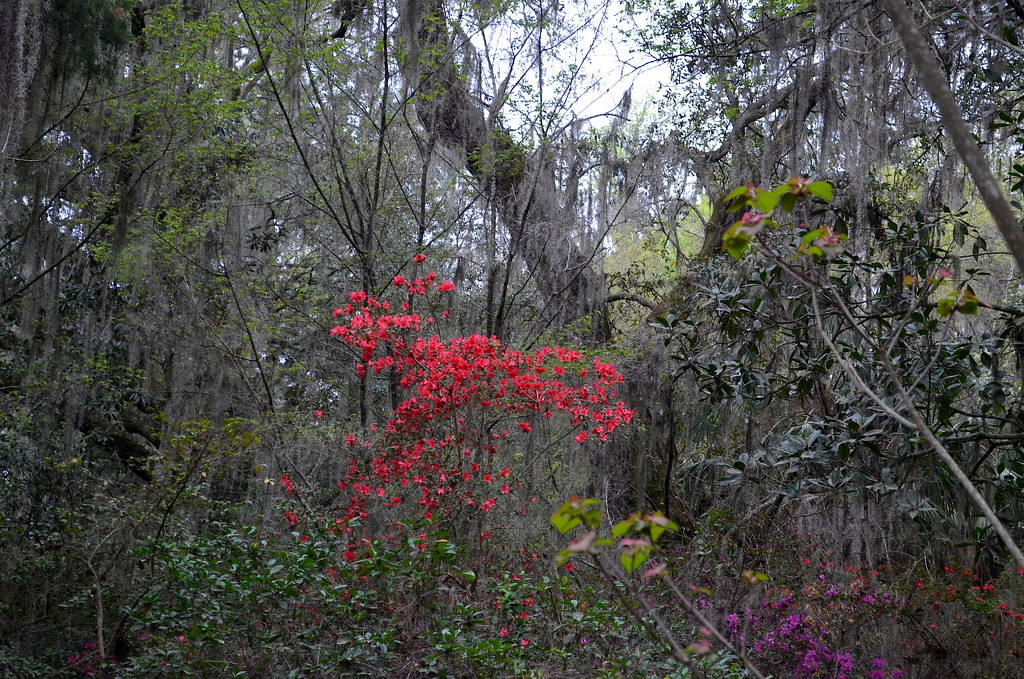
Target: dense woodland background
x,y
189,188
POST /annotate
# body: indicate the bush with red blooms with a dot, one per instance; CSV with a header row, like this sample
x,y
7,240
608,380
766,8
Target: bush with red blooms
x,y
461,398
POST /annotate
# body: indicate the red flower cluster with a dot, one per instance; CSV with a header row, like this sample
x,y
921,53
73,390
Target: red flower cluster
x,y
462,394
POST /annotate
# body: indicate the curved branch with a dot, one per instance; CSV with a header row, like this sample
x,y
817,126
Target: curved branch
x,y
953,120
630,297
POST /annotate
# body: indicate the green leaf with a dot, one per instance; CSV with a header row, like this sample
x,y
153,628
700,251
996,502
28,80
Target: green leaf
x,y
811,236
787,201
631,561
822,190
658,523
753,577
766,201
946,306
622,527
736,242
634,554
565,521
737,192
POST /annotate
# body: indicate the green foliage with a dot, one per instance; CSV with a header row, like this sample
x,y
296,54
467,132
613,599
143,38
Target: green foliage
x,y
633,551
91,33
844,444
291,604
762,203
576,511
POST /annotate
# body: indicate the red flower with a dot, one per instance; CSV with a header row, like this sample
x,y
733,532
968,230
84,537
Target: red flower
x,y
451,386
419,258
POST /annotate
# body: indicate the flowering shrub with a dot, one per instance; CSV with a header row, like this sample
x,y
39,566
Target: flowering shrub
x,y
816,617
464,397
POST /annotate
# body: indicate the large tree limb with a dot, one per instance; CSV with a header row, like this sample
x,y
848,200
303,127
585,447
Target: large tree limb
x,y
953,120
521,183
132,437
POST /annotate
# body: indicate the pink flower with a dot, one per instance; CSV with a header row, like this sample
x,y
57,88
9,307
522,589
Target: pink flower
x,y
524,643
399,281
419,258
446,286
318,413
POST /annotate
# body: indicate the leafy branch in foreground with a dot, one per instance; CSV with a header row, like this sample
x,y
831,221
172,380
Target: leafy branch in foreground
x,y
636,537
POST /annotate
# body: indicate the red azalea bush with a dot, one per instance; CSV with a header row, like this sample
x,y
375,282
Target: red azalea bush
x,y
463,398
